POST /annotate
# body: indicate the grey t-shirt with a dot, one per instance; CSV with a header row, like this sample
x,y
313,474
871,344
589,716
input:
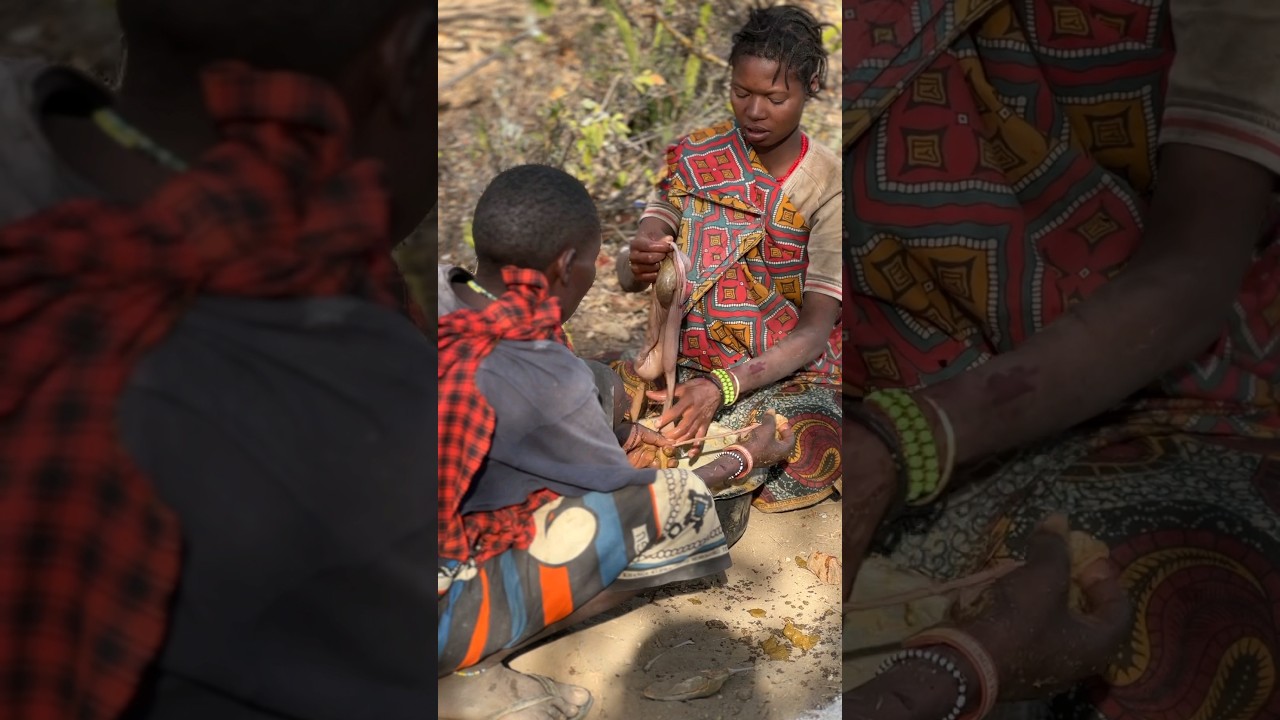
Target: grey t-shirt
x,y
550,431
294,441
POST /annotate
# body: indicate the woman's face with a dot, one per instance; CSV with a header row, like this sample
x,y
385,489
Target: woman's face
x,y
768,104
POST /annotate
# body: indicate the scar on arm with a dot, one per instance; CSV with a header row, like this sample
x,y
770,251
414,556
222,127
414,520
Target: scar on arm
x,y
1009,386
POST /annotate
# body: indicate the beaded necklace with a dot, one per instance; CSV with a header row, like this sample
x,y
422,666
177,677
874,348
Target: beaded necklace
x,y
480,289
129,137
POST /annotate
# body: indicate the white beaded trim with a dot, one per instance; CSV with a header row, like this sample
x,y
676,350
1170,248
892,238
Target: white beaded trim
x,y
742,464
940,661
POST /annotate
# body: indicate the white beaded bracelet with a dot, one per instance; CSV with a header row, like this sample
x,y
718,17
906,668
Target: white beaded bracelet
x,y
940,661
742,463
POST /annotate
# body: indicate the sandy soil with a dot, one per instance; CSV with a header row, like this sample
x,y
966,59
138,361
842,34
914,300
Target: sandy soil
x,y
728,619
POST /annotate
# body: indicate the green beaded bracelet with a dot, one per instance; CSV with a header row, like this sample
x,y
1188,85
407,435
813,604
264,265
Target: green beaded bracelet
x,y
919,448
855,411
727,389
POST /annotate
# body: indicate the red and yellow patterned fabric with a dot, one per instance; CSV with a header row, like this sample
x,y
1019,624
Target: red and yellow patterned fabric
x,y
525,312
747,243
1007,179
999,156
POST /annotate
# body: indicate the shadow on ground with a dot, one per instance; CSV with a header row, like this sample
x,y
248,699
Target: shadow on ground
x,y
729,618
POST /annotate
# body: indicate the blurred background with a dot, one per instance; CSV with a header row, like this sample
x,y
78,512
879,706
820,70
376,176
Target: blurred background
x,y
80,33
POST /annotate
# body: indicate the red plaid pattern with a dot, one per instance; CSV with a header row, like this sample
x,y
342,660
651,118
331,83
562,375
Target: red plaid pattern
x,y
524,312
89,556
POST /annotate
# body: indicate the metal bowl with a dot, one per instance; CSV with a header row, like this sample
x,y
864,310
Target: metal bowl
x,y
734,512
733,503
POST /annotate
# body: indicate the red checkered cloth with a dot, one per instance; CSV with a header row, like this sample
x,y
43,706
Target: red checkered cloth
x,y
524,312
89,556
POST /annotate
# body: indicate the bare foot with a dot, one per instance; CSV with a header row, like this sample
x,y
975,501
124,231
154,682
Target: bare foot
x,y
1038,642
500,688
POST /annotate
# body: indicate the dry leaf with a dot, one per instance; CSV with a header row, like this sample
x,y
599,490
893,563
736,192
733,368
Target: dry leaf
x,y
775,648
1085,549
798,637
704,684
780,423
826,567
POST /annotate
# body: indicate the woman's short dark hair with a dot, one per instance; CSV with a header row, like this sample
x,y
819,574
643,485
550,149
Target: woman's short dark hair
x,y
790,36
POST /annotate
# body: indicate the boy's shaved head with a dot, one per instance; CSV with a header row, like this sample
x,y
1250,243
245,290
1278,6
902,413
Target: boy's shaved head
x,y
529,214
299,35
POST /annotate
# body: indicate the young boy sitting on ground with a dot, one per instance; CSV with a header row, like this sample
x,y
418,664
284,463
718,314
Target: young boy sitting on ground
x,y
543,522
458,288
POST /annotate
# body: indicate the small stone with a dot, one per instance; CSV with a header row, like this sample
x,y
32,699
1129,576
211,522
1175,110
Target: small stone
x,y
776,649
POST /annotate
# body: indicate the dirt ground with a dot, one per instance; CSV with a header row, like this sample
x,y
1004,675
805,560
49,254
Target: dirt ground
x,y
729,619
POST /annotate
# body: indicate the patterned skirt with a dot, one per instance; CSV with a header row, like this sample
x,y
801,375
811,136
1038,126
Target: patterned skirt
x,y
1193,521
639,537
812,472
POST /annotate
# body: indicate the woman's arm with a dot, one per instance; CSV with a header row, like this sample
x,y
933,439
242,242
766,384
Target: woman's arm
x,y
767,445
821,195
1164,309
1037,645
817,318
1220,153
917,690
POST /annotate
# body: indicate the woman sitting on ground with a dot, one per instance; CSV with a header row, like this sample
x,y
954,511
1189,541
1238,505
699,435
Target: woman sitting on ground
x,y
755,205
1062,297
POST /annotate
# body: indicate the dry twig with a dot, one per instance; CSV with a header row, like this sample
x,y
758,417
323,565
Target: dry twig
x,y
977,579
